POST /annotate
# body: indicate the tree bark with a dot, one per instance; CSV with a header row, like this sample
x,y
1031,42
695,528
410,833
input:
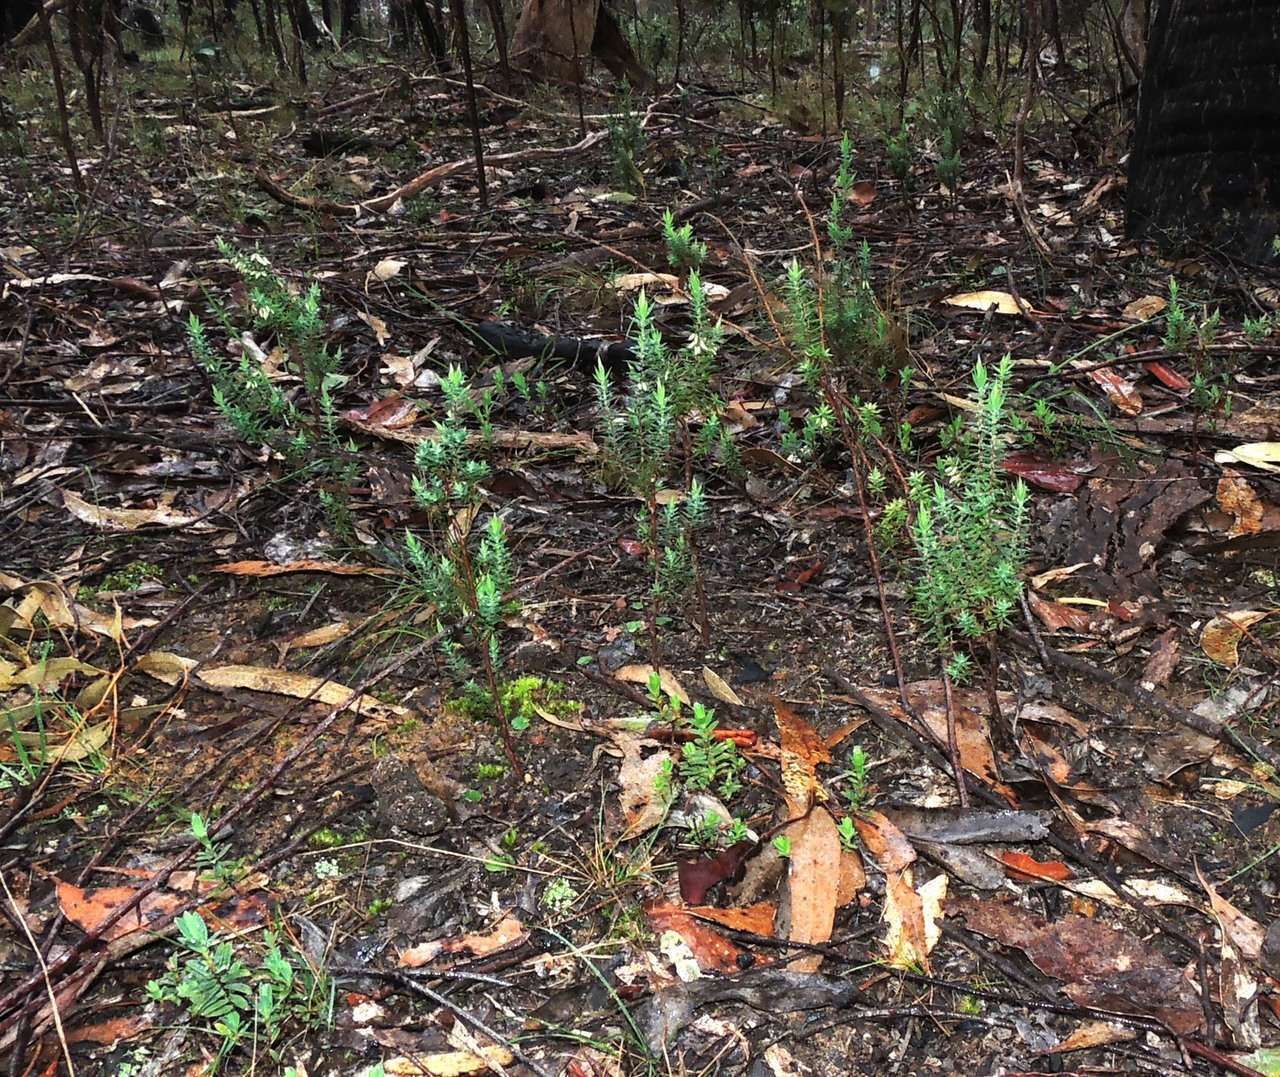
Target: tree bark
x,y
543,43
1205,163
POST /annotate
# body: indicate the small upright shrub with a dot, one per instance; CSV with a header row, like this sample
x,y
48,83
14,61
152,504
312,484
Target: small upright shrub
x,y
667,415
468,581
970,533
302,427
626,144
684,251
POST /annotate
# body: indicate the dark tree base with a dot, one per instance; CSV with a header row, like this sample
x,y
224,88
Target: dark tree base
x,y
1205,164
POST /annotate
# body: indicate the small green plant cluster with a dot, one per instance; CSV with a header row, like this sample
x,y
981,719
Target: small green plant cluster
x,y
838,327
467,581
1260,329
233,999
900,156
947,114
668,412
626,143
709,761
1185,333
706,762
304,430
212,858
684,251
970,532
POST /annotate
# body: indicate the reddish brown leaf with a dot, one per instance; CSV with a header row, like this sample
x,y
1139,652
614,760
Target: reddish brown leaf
x,y
263,569
713,952
757,918
509,932
1163,660
391,412
803,749
109,1032
972,737
863,193
808,912
700,875
1239,499
1058,615
1101,966
1122,393
1042,472
1022,866
1167,376
884,841
796,581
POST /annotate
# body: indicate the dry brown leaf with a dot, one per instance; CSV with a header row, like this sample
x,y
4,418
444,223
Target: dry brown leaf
x,y
757,918
171,669
1260,454
853,877
640,673
1003,302
887,844
379,327
449,1063
972,736
125,519
1094,1034
1237,498
913,917
642,806
1058,615
509,932
1220,638
719,687
712,950
1122,393
803,749
260,569
1146,308
808,911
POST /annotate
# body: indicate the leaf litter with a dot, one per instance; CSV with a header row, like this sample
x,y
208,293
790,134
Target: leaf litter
x,y
272,688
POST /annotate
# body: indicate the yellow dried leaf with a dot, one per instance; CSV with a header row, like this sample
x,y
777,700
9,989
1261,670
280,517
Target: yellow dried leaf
x,y
983,301
1220,639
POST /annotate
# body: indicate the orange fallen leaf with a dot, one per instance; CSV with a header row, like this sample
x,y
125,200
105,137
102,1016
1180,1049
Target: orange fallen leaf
x,y
1237,498
1121,392
509,932
712,950
808,910
262,569
1022,866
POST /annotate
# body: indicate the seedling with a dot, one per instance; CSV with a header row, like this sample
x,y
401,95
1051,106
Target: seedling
x,y
468,582
708,760
684,252
970,529
970,533
303,430
642,436
232,998
626,144
781,845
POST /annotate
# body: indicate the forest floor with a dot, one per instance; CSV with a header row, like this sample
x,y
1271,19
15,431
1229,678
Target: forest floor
x,y
216,702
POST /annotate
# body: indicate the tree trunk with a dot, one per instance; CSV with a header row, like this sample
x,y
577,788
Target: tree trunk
x,y
15,15
547,29
1206,148
350,20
